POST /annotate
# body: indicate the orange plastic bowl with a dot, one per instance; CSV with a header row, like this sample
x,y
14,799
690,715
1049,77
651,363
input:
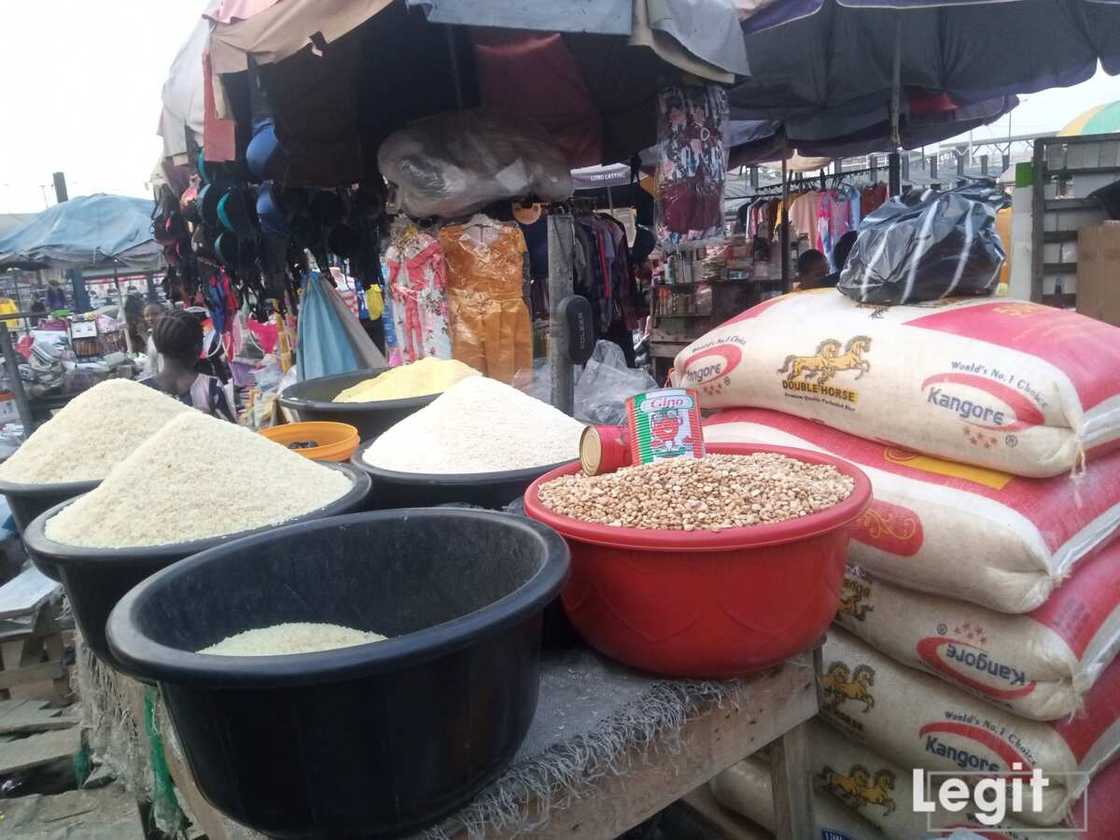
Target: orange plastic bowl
x,y
707,604
333,441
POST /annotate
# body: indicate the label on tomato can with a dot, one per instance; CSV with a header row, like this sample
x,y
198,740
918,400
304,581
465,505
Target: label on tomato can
x,y
664,424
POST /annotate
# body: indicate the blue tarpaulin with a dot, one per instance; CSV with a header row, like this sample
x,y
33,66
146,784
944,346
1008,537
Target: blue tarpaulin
x,y
93,230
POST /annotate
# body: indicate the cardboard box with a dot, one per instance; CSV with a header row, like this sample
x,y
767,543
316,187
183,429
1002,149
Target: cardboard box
x,y
1098,272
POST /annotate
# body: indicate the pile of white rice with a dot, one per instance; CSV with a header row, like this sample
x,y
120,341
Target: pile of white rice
x,y
197,478
478,425
293,637
91,434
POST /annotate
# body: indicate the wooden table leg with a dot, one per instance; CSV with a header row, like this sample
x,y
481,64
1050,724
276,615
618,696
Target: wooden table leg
x,y
793,790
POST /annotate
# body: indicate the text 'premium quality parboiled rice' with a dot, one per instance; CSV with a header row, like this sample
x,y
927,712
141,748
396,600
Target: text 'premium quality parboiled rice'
x,y
478,425
90,435
197,478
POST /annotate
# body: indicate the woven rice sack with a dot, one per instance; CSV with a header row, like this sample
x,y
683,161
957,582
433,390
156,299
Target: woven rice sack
x,y
882,793
1012,386
918,721
747,789
1038,665
958,531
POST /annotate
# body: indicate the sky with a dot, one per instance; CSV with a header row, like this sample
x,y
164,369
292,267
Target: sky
x,y
81,93
82,82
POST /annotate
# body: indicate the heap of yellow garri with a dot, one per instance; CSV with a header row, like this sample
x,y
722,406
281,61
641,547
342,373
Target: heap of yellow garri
x,y
422,378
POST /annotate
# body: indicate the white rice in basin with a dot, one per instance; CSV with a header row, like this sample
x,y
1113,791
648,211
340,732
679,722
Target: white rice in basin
x,y
197,478
478,425
91,434
292,637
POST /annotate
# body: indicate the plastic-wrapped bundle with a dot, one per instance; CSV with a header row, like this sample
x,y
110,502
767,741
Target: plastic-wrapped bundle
x,y
456,163
927,246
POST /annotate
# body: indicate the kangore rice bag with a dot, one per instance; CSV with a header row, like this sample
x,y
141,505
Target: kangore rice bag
x,y
918,721
950,529
1038,665
1008,385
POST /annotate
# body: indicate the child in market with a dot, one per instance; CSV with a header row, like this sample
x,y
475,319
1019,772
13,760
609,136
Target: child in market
x,y
178,339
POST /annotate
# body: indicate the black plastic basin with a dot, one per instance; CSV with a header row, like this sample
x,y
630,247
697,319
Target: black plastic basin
x,y
96,578
29,500
313,399
376,740
392,489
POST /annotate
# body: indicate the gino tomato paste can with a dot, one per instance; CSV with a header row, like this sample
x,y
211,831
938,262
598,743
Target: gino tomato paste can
x,y
603,449
664,424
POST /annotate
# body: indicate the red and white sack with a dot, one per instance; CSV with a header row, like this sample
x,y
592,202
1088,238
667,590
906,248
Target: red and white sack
x,y
1008,385
918,721
963,532
882,792
747,789
1038,665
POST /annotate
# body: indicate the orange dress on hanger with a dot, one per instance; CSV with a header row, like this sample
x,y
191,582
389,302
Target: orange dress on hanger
x,y
490,326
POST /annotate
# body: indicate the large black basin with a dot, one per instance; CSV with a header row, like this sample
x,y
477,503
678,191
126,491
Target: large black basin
x,y
96,578
392,489
371,741
27,501
312,399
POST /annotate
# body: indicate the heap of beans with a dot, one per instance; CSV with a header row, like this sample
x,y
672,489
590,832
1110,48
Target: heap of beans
x,y
706,494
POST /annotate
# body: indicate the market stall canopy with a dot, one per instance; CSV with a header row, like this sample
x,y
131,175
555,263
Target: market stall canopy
x,y
341,75
182,94
85,232
806,55
840,133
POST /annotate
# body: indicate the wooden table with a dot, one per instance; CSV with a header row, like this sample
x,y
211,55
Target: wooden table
x,y
777,704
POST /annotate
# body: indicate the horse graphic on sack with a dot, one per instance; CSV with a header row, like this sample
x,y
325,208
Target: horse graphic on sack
x,y
829,361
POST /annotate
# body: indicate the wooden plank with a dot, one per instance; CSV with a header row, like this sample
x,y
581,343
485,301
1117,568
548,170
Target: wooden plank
x,y
36,673
731,825
29,716
25,593
775,703
36,750
793,792
105,814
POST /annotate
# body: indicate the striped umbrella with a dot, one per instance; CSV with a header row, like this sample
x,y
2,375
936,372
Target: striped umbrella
x,y
1104,119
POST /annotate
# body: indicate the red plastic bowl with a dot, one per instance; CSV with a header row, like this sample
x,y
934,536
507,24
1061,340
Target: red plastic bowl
x,y
707,604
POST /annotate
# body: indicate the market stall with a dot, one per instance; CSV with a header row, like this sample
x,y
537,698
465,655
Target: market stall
x,y
439,605
69,344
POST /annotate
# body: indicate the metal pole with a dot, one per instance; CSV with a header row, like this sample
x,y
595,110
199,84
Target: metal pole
x,y
784,229
11,363
895,187
561,248
455,74
894,174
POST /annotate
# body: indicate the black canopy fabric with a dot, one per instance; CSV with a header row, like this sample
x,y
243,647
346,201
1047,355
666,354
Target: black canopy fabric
x,y
334,102
809,55
93,230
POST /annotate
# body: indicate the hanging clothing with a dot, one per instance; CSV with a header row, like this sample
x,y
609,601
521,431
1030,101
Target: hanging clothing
x,y
417,281
536,240
872,199
692,162
803,215
490,326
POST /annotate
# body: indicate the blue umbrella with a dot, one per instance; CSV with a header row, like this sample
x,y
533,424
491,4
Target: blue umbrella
x,y
806,55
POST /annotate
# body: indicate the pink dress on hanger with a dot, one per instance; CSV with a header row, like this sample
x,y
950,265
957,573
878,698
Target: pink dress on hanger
x,y
418,290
